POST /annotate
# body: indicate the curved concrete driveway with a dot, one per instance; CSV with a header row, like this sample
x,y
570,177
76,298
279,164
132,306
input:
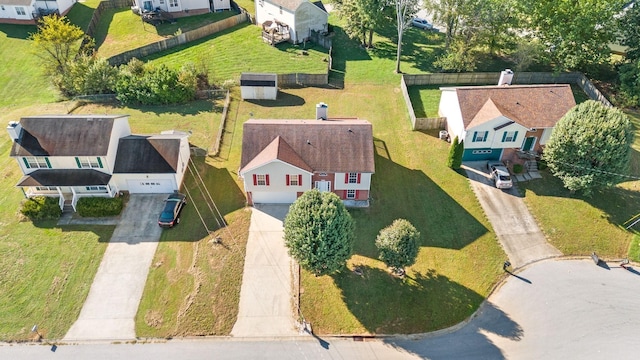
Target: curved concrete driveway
x,y
112,303
516,229
557,309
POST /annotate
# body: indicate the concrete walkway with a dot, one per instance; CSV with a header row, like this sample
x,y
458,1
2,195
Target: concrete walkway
x,y
515,227
112,303
266,301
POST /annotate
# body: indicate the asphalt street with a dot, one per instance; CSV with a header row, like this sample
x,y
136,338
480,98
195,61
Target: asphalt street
x,y
552,309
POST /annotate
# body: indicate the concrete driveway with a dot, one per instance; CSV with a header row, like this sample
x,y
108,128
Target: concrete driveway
x,y
266,301
515,227
109,310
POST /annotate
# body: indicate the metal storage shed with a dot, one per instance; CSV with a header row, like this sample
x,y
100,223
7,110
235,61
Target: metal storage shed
x,y
258,86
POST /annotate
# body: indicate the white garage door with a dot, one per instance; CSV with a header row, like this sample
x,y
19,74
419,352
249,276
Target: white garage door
x,y
150,186
264,197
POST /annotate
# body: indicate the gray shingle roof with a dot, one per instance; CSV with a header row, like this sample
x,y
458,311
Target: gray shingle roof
x,y
152,154
326,146
66,135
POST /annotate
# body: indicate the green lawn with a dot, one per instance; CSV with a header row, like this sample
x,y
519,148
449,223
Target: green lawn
x,y
240,49
81,13
23,82
121,30
425,100
460,258
46,269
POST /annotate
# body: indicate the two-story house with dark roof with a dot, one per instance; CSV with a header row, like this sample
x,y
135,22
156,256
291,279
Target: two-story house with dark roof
x,y
71,156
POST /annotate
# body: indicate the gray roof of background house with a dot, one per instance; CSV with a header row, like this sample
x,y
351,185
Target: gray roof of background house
x,y
294,4
332,145
64,135
65,177
16,2
153,154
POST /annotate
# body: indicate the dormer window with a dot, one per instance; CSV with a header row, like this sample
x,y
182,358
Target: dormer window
x,y
87,162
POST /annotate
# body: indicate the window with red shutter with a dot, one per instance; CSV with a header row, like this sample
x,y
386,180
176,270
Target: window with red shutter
x,y
255,179
346,178
287,180
299,180
267,179
358,181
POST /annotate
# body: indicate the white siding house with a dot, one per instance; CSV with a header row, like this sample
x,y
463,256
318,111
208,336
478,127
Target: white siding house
x,y
179,8
72,156
301,16
281,159
29,10
497,122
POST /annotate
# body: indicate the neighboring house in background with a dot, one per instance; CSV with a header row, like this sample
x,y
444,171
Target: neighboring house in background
x,y
27,11
501,122
181,8
281,159
301,16
71,156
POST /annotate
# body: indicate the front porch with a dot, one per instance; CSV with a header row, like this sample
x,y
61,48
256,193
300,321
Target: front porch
x,y
69,196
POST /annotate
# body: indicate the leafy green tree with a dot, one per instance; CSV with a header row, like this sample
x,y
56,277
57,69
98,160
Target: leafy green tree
x,y
363,17
590,147
405,10
398,244
454,15
456,150
577,33
629,77
154,85
318,231
57,42
87,74
629,31
459,57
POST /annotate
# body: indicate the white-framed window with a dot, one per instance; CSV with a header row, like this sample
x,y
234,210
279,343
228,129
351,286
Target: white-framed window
x,y
161,2
36,162
20,10
480,136
46,188
351,194
261,180
509,136
353,178
96,188
293,180
173,3
88,162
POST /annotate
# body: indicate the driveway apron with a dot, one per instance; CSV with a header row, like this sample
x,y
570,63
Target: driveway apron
x,y
109,310
515,227
266,307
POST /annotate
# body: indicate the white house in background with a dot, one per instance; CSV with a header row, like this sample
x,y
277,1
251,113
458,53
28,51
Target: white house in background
x,y
26,11
181,8
301,16
71,156
499,122
281,159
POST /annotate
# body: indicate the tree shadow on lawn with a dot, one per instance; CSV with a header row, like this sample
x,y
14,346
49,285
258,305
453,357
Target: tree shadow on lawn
x,y
470,341
225,192
344,50
284,99
102,30
399,192
18,31
419,47
619,204
385,304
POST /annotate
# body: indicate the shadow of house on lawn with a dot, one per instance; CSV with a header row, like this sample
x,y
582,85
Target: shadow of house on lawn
x,y
469,342
385,304
225,193
399,192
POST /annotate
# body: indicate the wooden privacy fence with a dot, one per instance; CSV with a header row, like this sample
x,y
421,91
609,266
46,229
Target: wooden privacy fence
x,y
299,79
488,79
181,39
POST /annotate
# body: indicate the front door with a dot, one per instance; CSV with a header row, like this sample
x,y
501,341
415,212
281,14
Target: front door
x,y
529,143
323,186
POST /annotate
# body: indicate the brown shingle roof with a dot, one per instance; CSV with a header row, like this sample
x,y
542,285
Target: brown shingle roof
x,y
321,146
280,150
69,135
532,106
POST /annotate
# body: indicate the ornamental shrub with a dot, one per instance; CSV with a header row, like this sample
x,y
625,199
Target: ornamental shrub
x,y
41,208
99,206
